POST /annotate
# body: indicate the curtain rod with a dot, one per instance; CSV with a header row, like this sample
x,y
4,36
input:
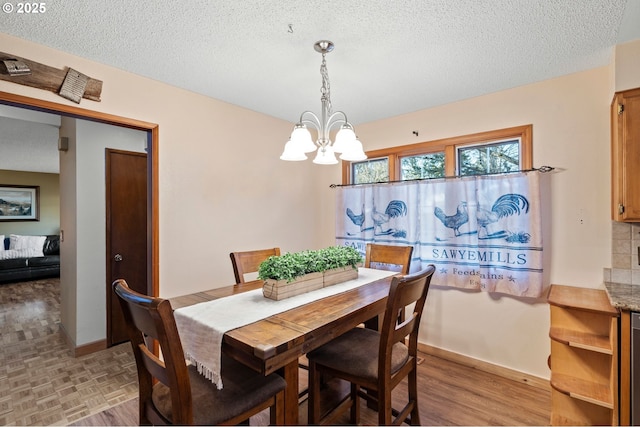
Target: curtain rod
x,y
542,169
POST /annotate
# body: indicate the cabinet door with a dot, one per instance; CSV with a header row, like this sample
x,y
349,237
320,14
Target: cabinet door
x,y
625,156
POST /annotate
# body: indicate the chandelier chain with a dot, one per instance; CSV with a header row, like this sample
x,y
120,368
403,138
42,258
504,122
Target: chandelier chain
x,y
325,90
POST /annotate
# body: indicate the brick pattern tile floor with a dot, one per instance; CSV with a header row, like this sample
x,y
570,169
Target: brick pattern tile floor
x,y
41,383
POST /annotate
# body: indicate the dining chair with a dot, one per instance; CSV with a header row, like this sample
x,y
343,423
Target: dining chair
x,y
388,257
170,392
249,261
376,361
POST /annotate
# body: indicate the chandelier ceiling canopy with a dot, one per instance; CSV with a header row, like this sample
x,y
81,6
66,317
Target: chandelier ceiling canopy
x,y
346,143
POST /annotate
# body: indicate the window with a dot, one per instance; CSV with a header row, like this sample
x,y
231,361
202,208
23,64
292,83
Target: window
x,y
371,170
489,158
422,166
504,150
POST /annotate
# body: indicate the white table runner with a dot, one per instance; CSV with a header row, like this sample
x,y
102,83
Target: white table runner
x,y
201,326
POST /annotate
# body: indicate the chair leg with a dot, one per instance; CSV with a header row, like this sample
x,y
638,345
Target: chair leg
x,y
355,404
314,395
276,412
384,406
303,367
413,396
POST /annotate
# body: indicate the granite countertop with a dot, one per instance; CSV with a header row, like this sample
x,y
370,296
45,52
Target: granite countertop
x,y
622,296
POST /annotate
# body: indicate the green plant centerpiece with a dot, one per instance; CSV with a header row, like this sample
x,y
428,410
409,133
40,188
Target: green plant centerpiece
x,y
294,273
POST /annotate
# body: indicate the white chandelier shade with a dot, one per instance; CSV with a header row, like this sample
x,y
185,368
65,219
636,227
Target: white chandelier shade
x,y
344,138
300,143
325,156
353,152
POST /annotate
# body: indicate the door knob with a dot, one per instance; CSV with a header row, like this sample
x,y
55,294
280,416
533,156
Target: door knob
x,y
118,258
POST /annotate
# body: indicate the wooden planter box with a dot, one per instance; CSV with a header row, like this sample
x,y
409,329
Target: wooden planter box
x,y
339,275
280,289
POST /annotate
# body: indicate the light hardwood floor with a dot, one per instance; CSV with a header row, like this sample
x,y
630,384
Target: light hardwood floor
x,y
42,384
450,394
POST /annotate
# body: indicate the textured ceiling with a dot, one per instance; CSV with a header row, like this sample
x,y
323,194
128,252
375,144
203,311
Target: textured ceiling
x,y
28,146
391,56
28,140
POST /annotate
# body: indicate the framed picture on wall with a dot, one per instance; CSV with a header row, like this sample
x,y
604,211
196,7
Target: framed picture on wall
x,y
19,203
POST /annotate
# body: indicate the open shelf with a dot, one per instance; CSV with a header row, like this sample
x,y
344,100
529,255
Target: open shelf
x,y
569,411
598,394
585,340
584,357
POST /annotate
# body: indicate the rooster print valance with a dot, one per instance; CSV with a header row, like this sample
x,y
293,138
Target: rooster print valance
x,y
481,232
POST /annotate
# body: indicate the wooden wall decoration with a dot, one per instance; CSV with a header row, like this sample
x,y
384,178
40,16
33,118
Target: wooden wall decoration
x,y
47,78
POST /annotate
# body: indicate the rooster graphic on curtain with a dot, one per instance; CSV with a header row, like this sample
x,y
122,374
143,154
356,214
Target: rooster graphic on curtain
x,y
487,219
395,209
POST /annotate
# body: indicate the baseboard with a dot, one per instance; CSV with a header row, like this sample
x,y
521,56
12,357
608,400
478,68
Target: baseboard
x,y
500,371
85,349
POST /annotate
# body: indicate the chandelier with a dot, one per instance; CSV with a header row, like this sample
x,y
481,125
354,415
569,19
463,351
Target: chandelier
x,y
300,143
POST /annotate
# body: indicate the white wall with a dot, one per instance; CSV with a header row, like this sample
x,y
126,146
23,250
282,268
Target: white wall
x,y
85,236
68,236
92,140
627,66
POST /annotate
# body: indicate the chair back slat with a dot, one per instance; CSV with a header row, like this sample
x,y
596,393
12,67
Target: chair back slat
x,y
400,332
388,257
249,261
154,365
141,320
408,294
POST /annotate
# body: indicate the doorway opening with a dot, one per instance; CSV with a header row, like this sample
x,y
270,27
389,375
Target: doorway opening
x,y
152,255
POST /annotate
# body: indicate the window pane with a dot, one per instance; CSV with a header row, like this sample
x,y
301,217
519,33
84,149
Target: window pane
x,y
489,158
375,170
422,166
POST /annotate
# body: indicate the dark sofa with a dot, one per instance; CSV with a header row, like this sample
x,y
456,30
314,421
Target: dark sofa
x,y
32,268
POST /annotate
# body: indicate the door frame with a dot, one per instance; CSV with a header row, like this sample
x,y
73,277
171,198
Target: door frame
x,y
153,249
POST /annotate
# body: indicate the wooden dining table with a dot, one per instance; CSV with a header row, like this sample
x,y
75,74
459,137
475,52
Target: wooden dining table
x,y
276,343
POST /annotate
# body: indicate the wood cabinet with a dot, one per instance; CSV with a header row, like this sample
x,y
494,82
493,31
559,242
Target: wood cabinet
x,y
584,357
625,156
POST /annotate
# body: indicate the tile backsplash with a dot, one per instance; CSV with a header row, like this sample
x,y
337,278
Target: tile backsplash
x,y
625,240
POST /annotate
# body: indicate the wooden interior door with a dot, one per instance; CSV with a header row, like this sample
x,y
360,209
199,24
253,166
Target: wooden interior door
x,y
126,204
